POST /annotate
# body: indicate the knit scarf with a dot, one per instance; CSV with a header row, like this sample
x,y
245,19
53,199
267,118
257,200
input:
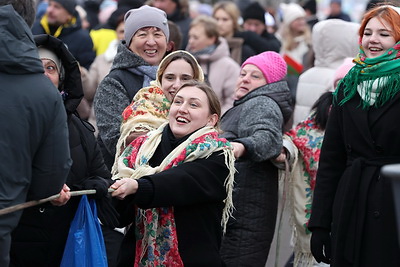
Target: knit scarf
x,y
307,137
376,80
148,73
148,110
157,243
206,51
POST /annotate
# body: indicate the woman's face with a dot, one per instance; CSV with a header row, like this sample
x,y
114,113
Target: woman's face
x,y
249,79
51,71
198,40
149,43
225,23
190,111
377,38
298,26
120,31
175,75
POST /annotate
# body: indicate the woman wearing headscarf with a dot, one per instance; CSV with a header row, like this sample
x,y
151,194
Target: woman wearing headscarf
x,y
353,221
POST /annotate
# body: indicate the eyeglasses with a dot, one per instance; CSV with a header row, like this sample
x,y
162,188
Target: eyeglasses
x,y
49,67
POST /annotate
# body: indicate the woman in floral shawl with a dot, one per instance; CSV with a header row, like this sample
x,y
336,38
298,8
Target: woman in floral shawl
x,y
352,219
175,186
150,106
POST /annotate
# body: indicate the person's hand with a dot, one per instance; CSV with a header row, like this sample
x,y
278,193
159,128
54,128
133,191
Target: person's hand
x,y
100,184
124,187
238,149
321,245
132,136
282,157
65,195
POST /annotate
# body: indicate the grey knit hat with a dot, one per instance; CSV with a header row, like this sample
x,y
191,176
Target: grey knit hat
x,y
69,5
145,16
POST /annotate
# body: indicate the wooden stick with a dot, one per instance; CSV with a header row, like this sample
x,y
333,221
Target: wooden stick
x,y
50,198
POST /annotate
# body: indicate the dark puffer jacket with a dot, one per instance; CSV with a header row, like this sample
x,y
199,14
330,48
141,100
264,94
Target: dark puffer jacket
x,y
40,237
256,121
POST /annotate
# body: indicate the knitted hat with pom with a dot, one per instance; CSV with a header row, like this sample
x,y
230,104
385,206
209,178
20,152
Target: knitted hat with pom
x,y
145,16
69,5
271,64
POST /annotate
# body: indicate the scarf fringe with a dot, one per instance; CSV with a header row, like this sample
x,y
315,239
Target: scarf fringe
x,y
229,183
303,259
192,149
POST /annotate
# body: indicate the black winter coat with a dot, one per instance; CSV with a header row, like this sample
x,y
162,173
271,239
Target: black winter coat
x,y
196,190
351,199
34,153
40,237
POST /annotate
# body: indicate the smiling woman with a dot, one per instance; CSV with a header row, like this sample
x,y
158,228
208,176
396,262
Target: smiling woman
x,y
255,142
352,202
150,106
179,180
135,65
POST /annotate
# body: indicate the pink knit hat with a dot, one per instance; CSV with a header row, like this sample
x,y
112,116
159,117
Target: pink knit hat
x,y
271,64
342,70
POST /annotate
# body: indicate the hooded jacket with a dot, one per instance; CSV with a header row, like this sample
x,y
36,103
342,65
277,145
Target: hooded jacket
x,y
333,40
34,152
47,226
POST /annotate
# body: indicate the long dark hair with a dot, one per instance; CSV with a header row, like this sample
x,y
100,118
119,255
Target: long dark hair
x,y
322,107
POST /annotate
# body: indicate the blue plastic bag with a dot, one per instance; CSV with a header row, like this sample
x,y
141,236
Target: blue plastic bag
x,y
85,244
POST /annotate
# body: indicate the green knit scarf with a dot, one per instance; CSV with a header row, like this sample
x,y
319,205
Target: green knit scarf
x,y
376,80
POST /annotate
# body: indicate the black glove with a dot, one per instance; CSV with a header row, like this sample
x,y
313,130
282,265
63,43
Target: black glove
x,y
106,212
100,184
321,245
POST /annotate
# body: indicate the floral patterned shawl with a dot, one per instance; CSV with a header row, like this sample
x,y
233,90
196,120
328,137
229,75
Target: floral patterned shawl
x,y
157,243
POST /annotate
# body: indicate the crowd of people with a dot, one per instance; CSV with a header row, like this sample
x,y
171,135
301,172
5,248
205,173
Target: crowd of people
x,y
194,120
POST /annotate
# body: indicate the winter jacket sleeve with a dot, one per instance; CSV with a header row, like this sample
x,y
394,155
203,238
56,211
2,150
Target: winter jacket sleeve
x,y
51,162
110,100
260,129
191,183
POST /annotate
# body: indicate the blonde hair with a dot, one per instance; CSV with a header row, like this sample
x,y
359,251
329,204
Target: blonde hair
x,y
232,10
209,24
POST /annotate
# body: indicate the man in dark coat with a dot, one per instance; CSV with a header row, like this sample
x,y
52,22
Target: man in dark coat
x,y
41,234
34,152
62,21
